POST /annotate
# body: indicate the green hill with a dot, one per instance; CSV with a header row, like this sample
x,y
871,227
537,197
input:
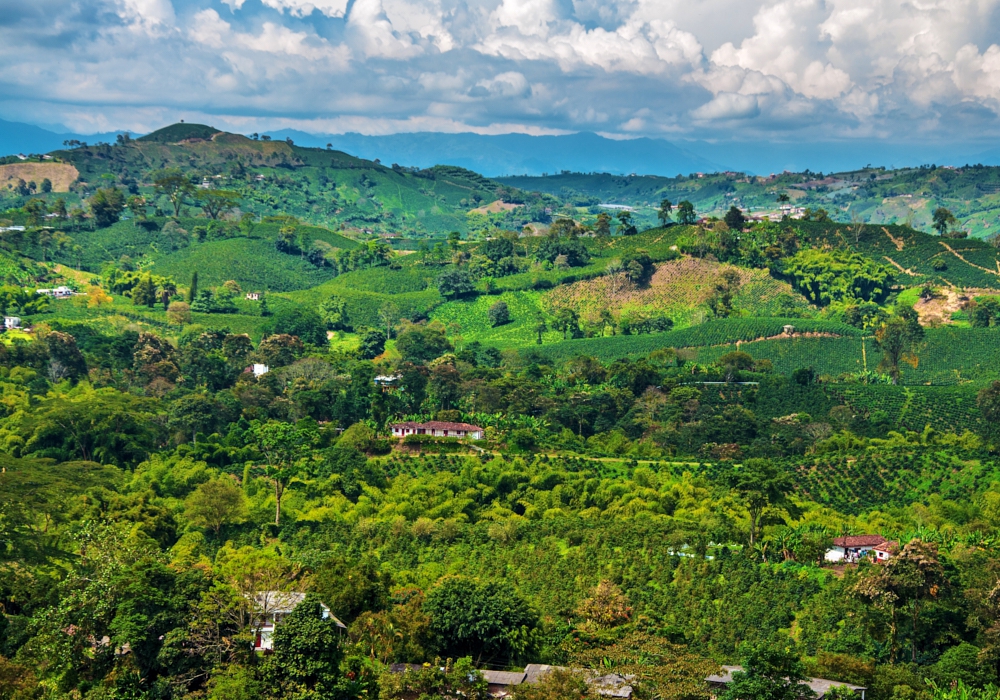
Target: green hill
x,y
319,186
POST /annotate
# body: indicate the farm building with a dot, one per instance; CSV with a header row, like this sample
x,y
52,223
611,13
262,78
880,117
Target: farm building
x,y
271,607
851,548
819,686
253,296
58,292
10,322
437,428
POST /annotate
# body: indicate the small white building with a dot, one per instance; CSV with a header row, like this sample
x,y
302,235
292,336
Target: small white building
x,y
10,322
260,370
253,296
57,293
437,428
852,548
270,608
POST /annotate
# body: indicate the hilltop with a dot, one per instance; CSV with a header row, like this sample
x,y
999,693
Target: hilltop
x,y
323,186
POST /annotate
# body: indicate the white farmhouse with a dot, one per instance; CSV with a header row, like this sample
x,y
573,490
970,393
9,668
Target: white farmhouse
x,y
270,608
852,548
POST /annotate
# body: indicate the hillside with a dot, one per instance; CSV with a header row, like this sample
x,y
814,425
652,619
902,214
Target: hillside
x,y
871,195
321,186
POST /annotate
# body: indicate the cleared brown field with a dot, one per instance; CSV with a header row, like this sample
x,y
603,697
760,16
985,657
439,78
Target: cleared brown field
x,y
62,175
679,289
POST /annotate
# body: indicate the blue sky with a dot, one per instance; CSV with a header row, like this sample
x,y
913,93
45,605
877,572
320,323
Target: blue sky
x,y
919,71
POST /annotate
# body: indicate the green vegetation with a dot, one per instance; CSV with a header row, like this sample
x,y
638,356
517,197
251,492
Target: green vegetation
x,y
677,424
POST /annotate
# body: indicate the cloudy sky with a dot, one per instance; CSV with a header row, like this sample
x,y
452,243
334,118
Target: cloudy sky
x,y
920,70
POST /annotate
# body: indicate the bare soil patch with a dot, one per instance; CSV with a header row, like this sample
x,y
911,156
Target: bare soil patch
x,y
62,175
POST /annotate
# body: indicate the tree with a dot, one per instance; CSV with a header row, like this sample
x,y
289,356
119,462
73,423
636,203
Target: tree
x,y
334,313
46,185
685,213
216,203
144,292
760,486
388,313
137,205
193,289
488,621
193,413
175,186
97,297
423,343
988,400
65,359
282,446
279,350
300,321
943,219
602,227
606,607
35,209
372,344
498,314
626,226
455,283
496,249
106,205
907,581
897,337
734,219
540,328
307,652
567,321
216,503
769,673
663,213
179,313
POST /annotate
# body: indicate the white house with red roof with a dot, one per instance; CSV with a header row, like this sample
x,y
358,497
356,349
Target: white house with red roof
x,y
850,549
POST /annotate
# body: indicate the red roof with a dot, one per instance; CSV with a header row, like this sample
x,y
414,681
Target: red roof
x,y
859,541
438,425
888,547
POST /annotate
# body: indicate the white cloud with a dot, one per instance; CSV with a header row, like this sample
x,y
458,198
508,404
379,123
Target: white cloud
x,y
633,67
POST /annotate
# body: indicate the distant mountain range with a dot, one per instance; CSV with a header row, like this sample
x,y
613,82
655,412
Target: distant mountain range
x,y
16,137
519,154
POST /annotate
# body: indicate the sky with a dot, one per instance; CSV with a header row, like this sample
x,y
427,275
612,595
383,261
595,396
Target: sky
x,y
920,71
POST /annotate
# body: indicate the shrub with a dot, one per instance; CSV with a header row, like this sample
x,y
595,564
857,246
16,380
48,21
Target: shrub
x,y
499,314
179,313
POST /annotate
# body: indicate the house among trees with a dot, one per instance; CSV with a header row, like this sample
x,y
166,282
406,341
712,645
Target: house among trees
x,y
58,292
270,607
10,322
819,686
852,548
253,296
437,428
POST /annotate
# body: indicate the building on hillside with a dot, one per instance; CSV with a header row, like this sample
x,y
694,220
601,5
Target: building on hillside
x,y
884,552
387,381
253,296
819,686
270,608
850,549
58,292
437,428
501,684
259,370
10,322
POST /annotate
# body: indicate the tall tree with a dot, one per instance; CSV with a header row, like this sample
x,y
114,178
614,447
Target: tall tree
x,y
176,186
760,485
663,213
685,213
282,446
106,205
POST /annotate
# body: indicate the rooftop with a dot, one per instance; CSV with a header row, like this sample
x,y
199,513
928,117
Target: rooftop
x,y
437,425
859,541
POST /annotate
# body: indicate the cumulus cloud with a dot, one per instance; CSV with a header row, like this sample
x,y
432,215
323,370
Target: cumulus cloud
x,y
626,67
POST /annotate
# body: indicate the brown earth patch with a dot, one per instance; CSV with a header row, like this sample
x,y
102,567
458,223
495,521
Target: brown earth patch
x,y
938,311
496,207
898,242
62,175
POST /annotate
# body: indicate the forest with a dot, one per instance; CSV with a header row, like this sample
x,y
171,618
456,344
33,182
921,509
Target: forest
x,y
203,401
